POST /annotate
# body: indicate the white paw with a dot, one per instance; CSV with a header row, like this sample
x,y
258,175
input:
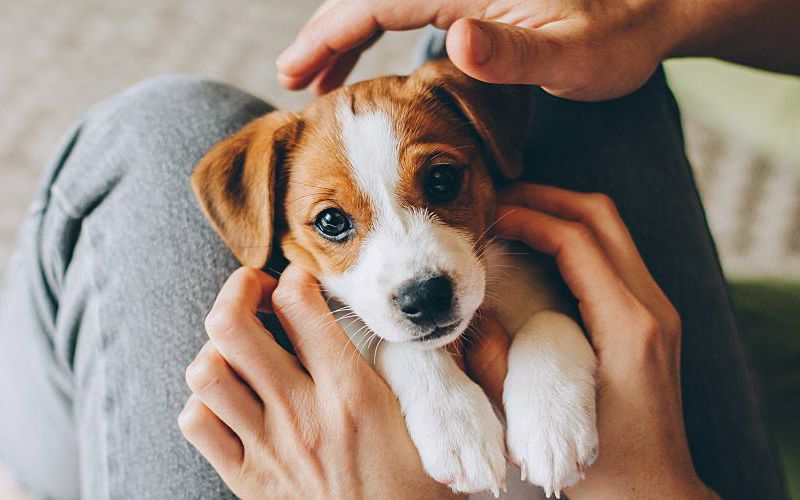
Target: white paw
x,y
552,433
460,440
549,397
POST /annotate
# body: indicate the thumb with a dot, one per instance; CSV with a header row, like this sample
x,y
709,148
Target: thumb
x,y
501,53
319,342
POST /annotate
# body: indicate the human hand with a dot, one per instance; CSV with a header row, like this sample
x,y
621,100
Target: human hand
x,y
634,329
576,49
319,425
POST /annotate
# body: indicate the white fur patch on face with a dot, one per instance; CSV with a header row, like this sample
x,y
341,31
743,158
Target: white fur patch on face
x,y
404,243
373,151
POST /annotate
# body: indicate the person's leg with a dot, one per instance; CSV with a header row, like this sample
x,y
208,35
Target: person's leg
x,y
632,149
38,445
105,298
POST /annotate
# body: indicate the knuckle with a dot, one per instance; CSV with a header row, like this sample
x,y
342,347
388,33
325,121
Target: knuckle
x,y
596,209
192,418
224,320
600,203
247,275
447,14
578,234
348,391
648,328
287,295
648,324
202,374
672,322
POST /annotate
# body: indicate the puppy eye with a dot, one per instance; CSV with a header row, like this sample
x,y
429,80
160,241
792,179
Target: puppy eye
x,y
333,224
442,184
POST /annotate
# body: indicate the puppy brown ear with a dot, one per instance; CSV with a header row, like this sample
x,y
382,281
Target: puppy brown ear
x,y
235,184
499,113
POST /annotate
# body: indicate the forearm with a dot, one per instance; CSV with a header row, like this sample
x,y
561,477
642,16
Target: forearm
x,y
759,33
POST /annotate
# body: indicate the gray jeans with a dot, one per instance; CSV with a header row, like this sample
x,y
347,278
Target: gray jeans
x,y
115,269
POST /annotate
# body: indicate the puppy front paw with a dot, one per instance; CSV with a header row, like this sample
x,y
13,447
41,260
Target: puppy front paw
x,y
460,440
549,397
552,433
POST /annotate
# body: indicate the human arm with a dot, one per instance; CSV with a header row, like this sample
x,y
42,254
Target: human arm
x,y
319,425
578,49
762,34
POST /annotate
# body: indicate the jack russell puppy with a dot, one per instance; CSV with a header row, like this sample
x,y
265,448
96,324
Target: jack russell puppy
x,y
384,191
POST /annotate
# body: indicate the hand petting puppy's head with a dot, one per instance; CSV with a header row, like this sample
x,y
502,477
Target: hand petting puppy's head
x,y
383,190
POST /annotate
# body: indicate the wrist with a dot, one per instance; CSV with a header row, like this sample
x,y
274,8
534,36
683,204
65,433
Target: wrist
x,y
688,31
758,34
661,25
709,28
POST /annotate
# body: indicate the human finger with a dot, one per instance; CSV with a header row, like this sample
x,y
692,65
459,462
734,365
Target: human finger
x,y
211,437
335,74
604,298
335,31
502,53
598,212
319,341
214,383
243,341
349,24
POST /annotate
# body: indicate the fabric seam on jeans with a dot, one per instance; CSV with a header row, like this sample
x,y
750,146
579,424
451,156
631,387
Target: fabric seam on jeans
x,y
63,202
105,408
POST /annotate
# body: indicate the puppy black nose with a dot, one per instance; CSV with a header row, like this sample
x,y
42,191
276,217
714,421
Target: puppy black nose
x,y
427,301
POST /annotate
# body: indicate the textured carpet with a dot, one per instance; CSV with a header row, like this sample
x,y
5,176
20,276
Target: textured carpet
x,y
58,58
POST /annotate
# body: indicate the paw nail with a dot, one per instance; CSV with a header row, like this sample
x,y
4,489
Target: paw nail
x,y
523,472
582,469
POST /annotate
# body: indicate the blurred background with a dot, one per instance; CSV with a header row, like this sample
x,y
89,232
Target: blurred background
x,y
742,127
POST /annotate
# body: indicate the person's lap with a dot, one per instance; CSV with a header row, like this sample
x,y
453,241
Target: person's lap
x,y
116,269
123,269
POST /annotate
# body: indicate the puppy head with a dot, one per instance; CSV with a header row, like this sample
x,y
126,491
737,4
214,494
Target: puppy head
x,y
383,190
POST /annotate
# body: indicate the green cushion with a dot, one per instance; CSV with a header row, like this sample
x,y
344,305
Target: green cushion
x,y
768,316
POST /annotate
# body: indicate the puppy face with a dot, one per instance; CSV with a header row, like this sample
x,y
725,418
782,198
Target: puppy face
x,y
384,192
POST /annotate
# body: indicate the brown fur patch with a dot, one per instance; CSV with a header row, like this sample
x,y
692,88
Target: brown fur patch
x,y
434,123
320,178
429,134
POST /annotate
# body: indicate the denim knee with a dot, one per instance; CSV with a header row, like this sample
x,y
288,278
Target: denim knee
x,y
156,130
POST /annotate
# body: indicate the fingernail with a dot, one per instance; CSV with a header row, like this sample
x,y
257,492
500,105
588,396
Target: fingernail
x,y
482,45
